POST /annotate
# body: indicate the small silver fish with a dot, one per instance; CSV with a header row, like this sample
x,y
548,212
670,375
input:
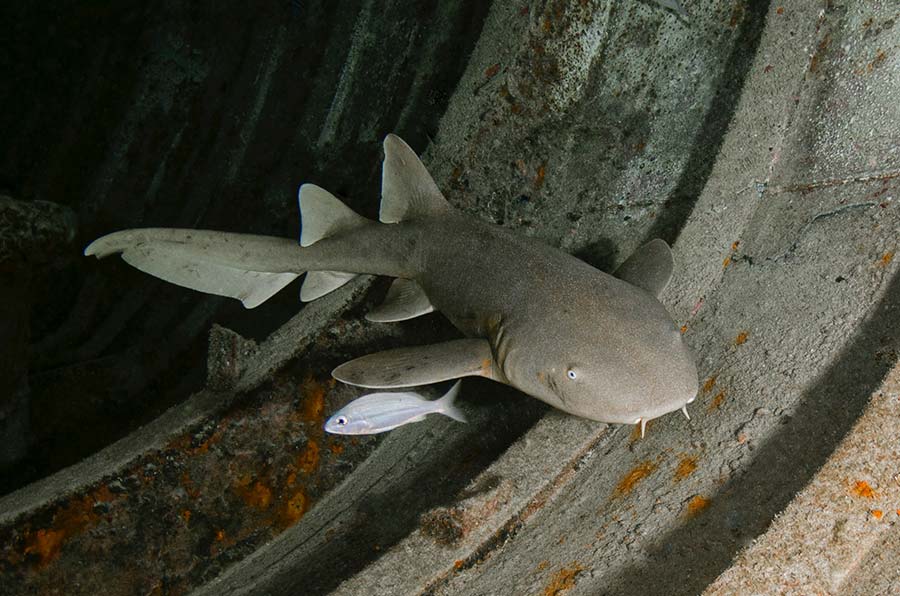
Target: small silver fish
x,y
380,412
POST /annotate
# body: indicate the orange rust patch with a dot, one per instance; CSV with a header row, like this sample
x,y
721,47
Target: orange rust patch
x,y
630,480
220,535
886,259
709,384
877,513
293,509
258,495
308,460
69,521
486,367
313,405
741,338
779,10
734,245
726,262
697,504
716,402
563,580
336,448
686,467
457,564
862,489
491,71
539,179
542,565
684,329
186,516
46,544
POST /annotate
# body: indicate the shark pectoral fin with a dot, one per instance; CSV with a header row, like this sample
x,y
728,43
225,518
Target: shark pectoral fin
x,y
318,283
649,267
407,189
405,300
409,367
176,264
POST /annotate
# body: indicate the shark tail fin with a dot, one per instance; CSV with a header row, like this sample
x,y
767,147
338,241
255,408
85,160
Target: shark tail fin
x,y
446,406
249,268
407,189
323,215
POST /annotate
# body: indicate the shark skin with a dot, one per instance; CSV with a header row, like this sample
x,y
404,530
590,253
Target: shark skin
x,y
592,344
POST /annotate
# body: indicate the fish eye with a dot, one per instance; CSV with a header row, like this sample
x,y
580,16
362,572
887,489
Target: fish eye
x,y
341,420
571,374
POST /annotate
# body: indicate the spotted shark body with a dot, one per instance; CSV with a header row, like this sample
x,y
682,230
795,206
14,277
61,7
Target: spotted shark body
x,y
592,344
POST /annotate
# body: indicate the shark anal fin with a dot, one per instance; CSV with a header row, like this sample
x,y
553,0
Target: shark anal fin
x,y
318,283
649,267
407,189
405,300
409,367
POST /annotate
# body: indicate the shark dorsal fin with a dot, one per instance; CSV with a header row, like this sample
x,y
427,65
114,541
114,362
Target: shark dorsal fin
x,y
322,214
649,267
407,189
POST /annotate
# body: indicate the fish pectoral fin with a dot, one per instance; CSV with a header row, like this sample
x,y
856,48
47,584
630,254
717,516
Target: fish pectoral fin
x,y
409,367
405,300
649,267
407,189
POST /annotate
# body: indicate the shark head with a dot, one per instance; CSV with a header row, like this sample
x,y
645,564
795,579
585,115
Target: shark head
x,y
626,368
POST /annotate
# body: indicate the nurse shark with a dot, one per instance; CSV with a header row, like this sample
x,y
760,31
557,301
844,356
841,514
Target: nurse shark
x,y
592,344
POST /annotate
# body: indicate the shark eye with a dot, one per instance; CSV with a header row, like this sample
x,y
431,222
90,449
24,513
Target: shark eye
x,y
571,374
341,420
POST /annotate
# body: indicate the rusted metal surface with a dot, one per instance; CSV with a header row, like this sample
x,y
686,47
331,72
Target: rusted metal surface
x,y
175,517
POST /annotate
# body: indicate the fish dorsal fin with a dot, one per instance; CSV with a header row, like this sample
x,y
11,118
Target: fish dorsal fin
x,y
421,365
649,267
407,189
322,214
405,300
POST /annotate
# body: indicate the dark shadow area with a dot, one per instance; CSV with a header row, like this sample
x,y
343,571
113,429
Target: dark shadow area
x,y
382,519
601,254
696,553
697,169
208,116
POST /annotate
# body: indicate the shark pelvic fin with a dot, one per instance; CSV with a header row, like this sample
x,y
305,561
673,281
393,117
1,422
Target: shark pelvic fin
x,y
405,300
649,267
322,215
410,367
407,189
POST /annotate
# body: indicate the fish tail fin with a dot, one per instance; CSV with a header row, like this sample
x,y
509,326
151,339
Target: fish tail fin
x,y
243,266
323,215
446,406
